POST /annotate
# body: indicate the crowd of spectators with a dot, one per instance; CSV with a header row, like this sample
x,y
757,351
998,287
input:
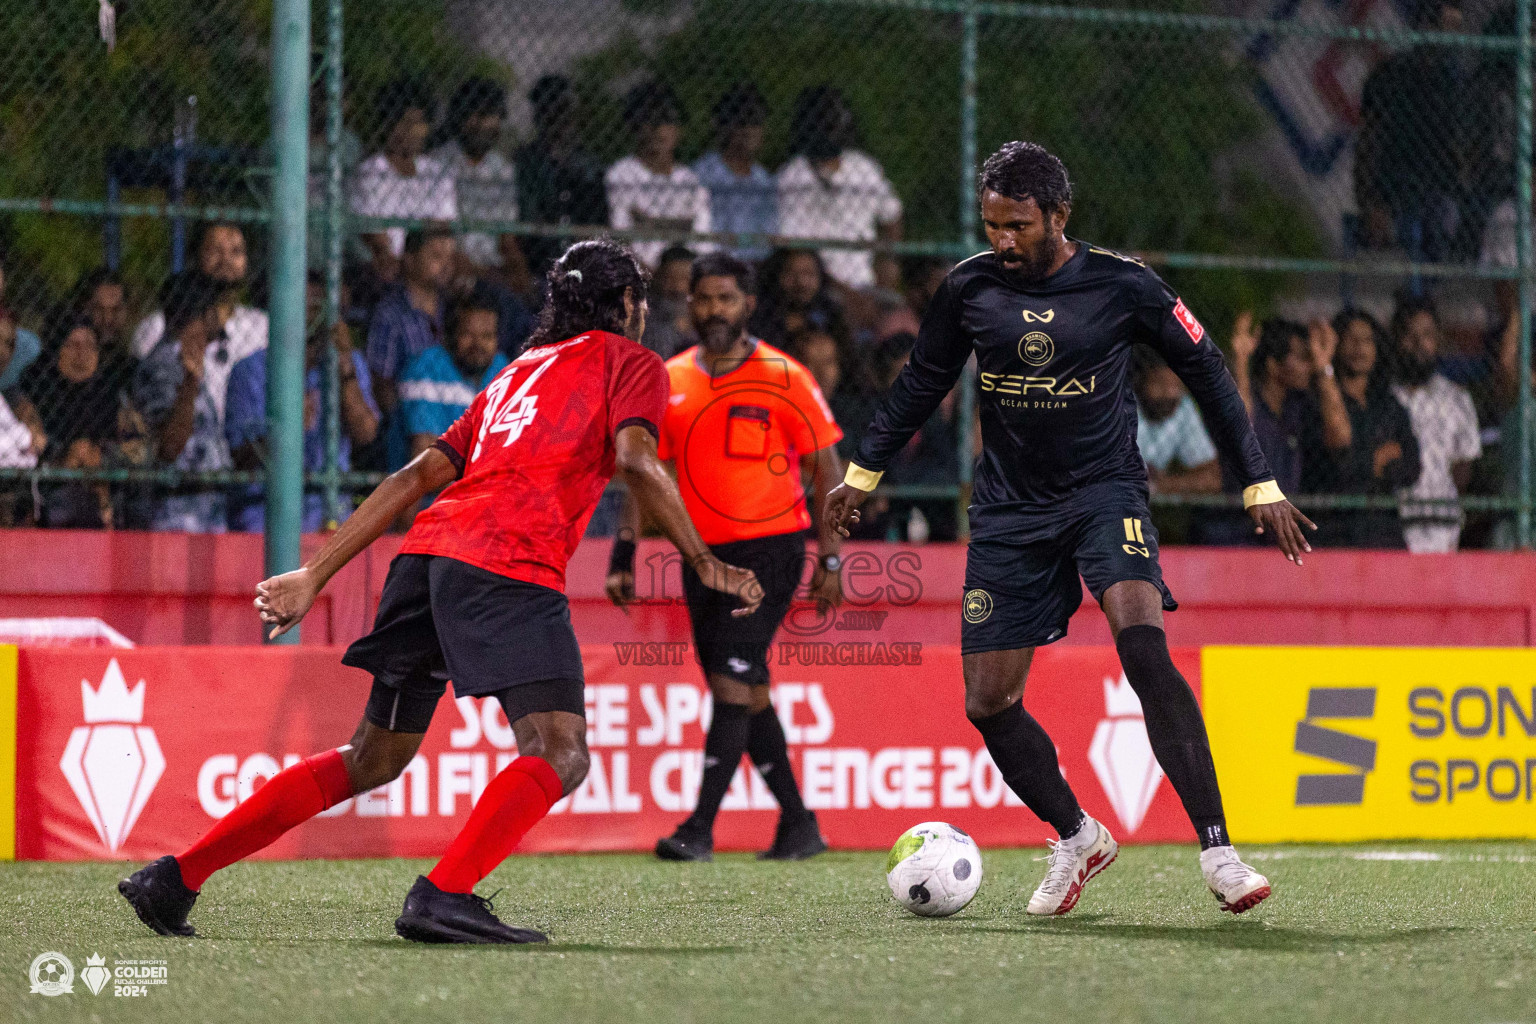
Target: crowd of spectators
x,y
434,308
1348,409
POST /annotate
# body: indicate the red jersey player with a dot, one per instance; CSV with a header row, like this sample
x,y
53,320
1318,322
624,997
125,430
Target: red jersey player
x,y
475,597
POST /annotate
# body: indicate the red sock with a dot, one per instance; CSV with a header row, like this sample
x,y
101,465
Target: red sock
x,y
292,796
512,804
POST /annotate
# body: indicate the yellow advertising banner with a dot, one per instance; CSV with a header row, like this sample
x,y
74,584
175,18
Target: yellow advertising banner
x,y
1342,743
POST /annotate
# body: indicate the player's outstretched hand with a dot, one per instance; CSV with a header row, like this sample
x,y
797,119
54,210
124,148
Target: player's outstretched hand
x,y
283,600
740,583
1283,521
621,588
842,507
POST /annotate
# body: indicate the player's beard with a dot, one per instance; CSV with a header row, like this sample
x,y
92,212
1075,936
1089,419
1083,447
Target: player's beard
x,y
1033,264
718,334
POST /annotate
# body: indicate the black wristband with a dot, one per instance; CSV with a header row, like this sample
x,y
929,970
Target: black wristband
x,y
622,558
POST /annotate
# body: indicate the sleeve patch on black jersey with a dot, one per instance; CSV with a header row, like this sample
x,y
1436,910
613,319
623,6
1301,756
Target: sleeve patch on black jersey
x,y
1188,322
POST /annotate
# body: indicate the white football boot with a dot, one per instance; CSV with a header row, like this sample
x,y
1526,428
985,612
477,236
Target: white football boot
x,y
1236,886
1072,862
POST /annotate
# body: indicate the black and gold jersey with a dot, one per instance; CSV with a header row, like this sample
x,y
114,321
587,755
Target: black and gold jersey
x,y
1054,376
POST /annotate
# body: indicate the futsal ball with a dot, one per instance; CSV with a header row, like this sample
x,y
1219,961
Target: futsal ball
x,y
934,869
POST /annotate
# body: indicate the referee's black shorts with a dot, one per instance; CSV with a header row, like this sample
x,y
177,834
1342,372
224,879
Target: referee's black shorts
x,y
442,619
738,647
1022,567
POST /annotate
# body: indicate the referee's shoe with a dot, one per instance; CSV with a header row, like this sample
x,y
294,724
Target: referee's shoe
x,y
797,839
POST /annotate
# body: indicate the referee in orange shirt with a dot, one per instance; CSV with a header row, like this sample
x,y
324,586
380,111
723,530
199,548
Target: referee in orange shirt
x,y
744,424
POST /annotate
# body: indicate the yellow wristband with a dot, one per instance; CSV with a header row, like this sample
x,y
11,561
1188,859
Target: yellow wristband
x,y
863,479
1266,493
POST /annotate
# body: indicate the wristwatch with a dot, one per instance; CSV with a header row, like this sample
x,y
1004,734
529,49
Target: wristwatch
x,y
831,563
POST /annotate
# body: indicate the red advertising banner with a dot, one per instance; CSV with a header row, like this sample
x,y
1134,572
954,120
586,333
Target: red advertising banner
x,y
132,754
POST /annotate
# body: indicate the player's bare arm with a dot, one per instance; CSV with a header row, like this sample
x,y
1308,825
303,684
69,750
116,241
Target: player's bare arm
x,y
283,600
655,494
825,467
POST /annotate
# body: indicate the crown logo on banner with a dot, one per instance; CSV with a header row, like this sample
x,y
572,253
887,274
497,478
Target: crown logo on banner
x,y
112,701
1121,754
113,761
1120,701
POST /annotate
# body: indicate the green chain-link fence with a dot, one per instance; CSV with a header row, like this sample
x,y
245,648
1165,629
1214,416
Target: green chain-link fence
x,y
1353,181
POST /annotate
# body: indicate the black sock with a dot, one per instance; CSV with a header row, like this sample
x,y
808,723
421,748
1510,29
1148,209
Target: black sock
x,y
722,756
1176,729
1026,757
767,747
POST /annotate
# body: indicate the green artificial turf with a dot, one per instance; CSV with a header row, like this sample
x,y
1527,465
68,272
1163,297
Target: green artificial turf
x,y
1442,932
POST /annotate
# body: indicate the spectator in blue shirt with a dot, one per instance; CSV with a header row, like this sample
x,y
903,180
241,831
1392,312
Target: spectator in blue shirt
x,y
407,321
245,423
439,384
742,194
184,403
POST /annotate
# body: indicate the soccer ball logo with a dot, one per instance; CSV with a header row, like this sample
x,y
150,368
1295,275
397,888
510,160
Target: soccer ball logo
x,y
1036,348
934,869
52,975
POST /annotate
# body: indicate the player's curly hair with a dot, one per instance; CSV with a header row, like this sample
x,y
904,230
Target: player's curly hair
x,y
1026,170
586,291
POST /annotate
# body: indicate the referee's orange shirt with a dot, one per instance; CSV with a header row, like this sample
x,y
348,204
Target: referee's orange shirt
x,y
737,439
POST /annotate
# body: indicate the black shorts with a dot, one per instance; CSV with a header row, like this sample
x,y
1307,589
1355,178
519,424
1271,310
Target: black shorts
x,y
442,619
734,647
1022,568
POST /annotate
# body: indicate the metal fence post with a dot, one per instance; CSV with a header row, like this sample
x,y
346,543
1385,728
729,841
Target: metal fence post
x,y
285,349
969,32
333,246
1523,259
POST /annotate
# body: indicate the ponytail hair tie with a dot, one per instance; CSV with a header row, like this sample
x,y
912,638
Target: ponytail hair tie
x,y
573,273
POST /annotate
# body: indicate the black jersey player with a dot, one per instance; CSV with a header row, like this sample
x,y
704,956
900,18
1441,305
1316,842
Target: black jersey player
x,y
1061,492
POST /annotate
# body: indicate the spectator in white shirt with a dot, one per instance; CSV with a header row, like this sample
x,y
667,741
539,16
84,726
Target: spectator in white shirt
x,y
649,189
830,190
1169,431
400,181
484,180
1445,424
222,260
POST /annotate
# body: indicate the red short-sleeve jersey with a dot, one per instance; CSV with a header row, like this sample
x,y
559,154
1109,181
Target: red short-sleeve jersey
x,y
535,450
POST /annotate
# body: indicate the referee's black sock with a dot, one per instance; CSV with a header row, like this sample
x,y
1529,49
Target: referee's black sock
x,y
1176,729
723,748
1026,758
770,752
